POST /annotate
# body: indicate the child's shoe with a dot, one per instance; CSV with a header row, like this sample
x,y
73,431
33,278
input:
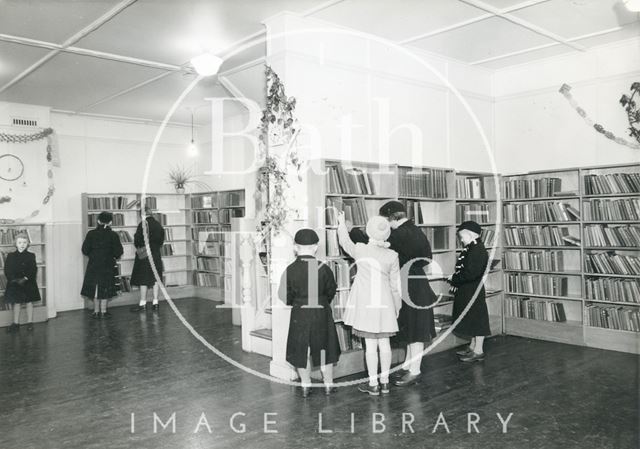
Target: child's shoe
x,y
384,388
372,390
14,327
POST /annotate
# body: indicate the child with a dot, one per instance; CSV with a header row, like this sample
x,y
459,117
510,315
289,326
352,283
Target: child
x,y
103,247
309,287
21,271
142,274
374,300
470,269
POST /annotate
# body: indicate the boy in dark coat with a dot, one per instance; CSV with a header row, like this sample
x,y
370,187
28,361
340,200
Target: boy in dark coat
x,y
103,247
469,274
415,320
21,269
309,286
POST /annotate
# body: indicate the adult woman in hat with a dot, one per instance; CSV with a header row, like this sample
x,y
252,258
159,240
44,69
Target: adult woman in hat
x,y
467,285
102,246
416,318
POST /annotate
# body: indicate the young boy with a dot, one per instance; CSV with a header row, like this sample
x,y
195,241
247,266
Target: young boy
x,y
309,287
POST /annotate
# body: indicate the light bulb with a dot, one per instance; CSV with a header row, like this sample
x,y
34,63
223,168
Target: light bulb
x,y
206,64
193,149
632,5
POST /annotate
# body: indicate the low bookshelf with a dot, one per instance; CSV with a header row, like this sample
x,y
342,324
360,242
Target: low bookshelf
x,y
572,271
38,246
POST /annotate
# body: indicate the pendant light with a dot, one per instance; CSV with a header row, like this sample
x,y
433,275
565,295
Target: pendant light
x,y
193,148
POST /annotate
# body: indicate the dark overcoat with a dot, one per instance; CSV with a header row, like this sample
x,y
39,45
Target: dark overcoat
x,y
416,324
102,246
311,329
470,268
17,266
142,273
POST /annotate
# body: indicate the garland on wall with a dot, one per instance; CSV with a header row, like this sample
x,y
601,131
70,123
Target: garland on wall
x,y
278,127
565,90
53,160
633,113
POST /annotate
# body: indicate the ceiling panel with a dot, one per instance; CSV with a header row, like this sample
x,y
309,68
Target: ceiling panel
x,y
14,59
399,20
481,40
502,4
571,18
50,20
70,81
527,57
627,32
173,32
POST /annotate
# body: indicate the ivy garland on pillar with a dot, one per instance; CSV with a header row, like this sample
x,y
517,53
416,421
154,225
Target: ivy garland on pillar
x,y
278,127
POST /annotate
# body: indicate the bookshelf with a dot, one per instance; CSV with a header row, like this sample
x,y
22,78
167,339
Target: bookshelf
x,y
171,211
37,236
571,256
213,258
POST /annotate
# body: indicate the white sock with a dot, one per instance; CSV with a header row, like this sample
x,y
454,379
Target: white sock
x,y
142,303
406,365
416,352
155,301
371,356
385,360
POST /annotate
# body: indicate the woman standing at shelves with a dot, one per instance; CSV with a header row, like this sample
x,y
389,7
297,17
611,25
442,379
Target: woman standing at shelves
x,y
142,274
468,277
374,300
415,320
103,247
21,271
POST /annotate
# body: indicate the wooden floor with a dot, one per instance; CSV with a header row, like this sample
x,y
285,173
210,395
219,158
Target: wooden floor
x,y
74,383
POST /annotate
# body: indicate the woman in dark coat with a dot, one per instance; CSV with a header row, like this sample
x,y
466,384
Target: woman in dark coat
x,y
470,269
142,274
21,269
415,320
103,248
312,331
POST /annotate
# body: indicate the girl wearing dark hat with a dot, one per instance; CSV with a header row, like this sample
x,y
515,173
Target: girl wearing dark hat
x,y
415,320
308,286
469,277
142,274
102,246
21,270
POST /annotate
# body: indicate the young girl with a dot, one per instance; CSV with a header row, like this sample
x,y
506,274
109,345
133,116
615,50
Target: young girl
x,y
103,247
374,300
470,269
142,274
21,271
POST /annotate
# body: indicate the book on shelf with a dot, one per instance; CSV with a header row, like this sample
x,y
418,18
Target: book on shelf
x,y
333,247
124,236
537,284
338,304
205,216
535,309
151,202
534,260
204,201
613,289
118,220
540,236
442,321
233,199
540,212
341,272
612,263
612,210
609,235
438,237
123,284
612,183
480,213
488,237
208,264
167,250
347,340
613,317
427,183
354,211
354,181
110,202
544,187
471,188
210,280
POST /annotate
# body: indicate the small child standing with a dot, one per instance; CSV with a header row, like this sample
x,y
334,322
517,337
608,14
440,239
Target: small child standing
x,y
309,287
21,271
374,300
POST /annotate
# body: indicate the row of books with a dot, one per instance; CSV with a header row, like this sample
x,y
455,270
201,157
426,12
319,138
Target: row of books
x,y
602,235
227,214
535,309
353,181
488,237
333,247
166,250
427,212
613,317
611,289
438,236
125,237
612,263
537,284
540,236
338,305
354,211
204,201
430,183
124,284
118,220
532,188
8,235
612,183
205,216
537,212
208,233
347,340
111,202
3,257
341,272
480,213
209,248
442,321
210,280
470,188
209,264
612,210
534,260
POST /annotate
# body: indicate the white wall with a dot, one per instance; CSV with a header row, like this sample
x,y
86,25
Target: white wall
x,y
536,127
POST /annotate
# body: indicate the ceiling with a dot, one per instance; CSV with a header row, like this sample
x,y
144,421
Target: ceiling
x,y
129,58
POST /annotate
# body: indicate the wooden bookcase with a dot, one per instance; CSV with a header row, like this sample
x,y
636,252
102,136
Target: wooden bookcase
x,y
550,219
38,246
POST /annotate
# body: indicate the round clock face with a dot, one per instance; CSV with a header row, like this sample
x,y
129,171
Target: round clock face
x,y
11,167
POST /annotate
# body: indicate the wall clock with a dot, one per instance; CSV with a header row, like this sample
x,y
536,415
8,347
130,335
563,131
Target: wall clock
x,y
11,167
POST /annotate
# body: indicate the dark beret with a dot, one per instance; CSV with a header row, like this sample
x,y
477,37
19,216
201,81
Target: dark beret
x,y
471,226
306,236
391,207
105,217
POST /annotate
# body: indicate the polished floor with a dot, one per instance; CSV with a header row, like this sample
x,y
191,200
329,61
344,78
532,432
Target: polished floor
x,y
75,383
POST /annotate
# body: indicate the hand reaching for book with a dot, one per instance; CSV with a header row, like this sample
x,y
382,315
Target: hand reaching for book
x,y
341,219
